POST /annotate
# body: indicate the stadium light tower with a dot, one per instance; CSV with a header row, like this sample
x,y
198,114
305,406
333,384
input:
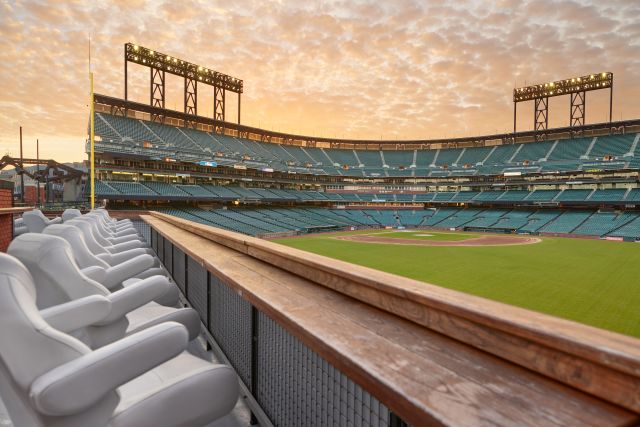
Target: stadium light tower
x,y
576,87
159,64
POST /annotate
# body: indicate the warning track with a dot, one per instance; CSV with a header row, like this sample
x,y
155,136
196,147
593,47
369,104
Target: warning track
x,y
491,240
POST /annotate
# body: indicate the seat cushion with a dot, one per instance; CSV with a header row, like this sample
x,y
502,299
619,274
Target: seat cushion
x,y
153,313
185,391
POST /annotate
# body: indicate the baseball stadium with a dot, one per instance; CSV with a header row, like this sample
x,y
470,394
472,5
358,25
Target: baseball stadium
x,y
195,270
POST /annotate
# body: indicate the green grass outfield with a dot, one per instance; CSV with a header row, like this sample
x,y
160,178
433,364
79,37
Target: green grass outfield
x,y
590,281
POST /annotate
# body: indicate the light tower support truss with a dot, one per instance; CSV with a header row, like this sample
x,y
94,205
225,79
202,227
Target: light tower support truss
x,y
576,87
541,117
157,92
193,74
578,108
190,100
218,106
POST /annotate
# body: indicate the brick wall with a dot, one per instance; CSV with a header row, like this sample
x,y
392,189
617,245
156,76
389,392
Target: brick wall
x,y
6,221
31,195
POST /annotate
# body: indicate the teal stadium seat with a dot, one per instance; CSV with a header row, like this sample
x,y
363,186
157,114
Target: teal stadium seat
x,y
122,135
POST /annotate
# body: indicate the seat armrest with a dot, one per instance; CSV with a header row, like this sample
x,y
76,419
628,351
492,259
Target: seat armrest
x,y
132,244
121,227
82,382
134,296
77,314
98,274
119,258
130,231
56,220
123,239
119,273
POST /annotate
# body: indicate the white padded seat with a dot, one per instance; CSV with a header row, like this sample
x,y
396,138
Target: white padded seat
x,y
59,280
101,247
35,221
105,239
69,214
109,231
136,263
51,379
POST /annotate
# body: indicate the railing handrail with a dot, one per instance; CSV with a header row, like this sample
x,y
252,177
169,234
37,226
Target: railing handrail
x,y
602,363
15,210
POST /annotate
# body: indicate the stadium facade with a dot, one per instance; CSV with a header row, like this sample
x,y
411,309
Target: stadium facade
x,y
579,180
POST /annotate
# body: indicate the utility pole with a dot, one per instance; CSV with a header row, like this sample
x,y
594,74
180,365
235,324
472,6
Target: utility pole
x,y
38,171
21,170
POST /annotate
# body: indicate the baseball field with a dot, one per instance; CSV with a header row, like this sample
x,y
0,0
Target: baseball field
x,y
595,282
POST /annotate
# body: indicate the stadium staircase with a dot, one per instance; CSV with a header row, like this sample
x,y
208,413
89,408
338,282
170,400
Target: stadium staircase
x,y
593,143
634,146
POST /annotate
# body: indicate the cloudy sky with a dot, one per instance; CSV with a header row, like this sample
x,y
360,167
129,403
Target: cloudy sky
x,y
359,69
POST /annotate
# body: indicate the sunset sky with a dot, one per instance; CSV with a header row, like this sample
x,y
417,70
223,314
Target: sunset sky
x,y
359,69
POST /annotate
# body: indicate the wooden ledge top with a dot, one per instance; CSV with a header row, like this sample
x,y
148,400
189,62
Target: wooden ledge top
x,y
128,214
423,350
6,211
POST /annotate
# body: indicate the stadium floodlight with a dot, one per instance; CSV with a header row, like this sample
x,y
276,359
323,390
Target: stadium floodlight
x,y
194,74
576,87
564,87
148,57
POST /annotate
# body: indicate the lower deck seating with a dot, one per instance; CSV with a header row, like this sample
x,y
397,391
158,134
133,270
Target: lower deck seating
x,y
538,220
459,218
486,219
263,221
512,220
629,230
600,224
567,222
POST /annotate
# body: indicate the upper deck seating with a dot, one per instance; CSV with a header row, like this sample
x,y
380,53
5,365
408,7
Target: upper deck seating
x,y
612,145
122,135
610,195
166,189
573,196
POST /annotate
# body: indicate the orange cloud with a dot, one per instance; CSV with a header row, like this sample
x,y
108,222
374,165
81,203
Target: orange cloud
x,y
366,69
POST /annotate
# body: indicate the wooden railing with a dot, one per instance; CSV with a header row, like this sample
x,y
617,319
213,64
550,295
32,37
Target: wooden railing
x,y
15,210
433,356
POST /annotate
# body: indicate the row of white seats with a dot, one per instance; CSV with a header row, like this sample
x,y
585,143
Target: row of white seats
x,y
91,333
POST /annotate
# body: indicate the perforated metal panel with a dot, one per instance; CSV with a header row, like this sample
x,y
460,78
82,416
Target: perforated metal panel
x,y
297,387
168,256
230,326
160,250
179,269
154,241
197,286
143,229
293,385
